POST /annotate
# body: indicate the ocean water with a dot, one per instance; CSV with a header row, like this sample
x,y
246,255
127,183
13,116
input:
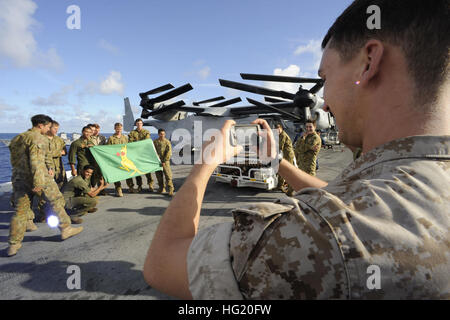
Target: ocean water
x,y
5,164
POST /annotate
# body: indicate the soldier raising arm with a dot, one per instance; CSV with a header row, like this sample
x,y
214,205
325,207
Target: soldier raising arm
x,y
388,209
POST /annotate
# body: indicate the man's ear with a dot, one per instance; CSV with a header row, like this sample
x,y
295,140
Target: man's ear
x,y
372,54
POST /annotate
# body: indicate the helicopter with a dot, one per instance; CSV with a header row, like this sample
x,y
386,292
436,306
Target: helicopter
x,y
289,109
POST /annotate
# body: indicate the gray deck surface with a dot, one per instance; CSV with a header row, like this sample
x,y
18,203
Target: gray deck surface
x,y
110,252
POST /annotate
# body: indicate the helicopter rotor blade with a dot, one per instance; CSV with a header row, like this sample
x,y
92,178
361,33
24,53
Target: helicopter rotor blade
x,y
255,89
273,100
262,77
316,87
226,103
209,100
172,94
156,90
275,109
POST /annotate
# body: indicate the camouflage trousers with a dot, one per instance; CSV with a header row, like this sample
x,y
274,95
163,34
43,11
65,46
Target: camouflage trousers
x,y
282,182
167,174
78,206
130,183
22,199
96,176
60,173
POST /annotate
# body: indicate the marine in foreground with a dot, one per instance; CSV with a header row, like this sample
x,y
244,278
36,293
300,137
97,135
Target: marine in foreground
x,y
388,209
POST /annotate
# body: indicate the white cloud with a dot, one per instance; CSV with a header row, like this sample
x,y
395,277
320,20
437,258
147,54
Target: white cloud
x,y
58,98
17,42
105,45
204,72
291,71
5,108
313,47
112,84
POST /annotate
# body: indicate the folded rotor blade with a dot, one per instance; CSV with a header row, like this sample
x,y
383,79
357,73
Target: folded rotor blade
x,y
172,94
275,109
273,100
255,89
157,90
170,107
316,87
226,103
209,100
251,76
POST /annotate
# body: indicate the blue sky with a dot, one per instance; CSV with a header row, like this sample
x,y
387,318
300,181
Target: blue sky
x,y
126,47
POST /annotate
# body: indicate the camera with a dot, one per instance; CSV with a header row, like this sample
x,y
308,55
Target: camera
x,y
246,135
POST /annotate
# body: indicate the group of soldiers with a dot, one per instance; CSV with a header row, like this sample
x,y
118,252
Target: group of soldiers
x,y
38,170
305,151
80,193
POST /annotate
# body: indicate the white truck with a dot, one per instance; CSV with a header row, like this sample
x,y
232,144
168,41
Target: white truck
x,y
247,173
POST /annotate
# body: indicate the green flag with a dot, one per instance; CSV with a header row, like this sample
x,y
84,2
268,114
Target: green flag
x,y
122,161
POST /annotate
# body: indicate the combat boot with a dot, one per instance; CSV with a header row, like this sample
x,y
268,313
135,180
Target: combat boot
x,y
163,190
139,189
68,232
170,194
92,210
13,248
31,226
150,189
76,220
119,192
132,190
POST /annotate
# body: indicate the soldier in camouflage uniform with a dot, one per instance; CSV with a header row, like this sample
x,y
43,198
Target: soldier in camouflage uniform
x,y
80,196
164,149
97,140
307,149
380,230
30,176
79,153
137,135
57,149
285,146
118,138
96,137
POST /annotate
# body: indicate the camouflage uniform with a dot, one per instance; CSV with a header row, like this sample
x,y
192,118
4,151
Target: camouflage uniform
x,y
285,146
56,145
79,154
97,175
116,140
75,193
388,210
305,154
164,150
29,161
134,136
98,140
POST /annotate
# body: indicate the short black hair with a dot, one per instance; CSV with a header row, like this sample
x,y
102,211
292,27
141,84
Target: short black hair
x,y
161,130
137,120
86,127
40,119
88,167
420,28
55,123
311,121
